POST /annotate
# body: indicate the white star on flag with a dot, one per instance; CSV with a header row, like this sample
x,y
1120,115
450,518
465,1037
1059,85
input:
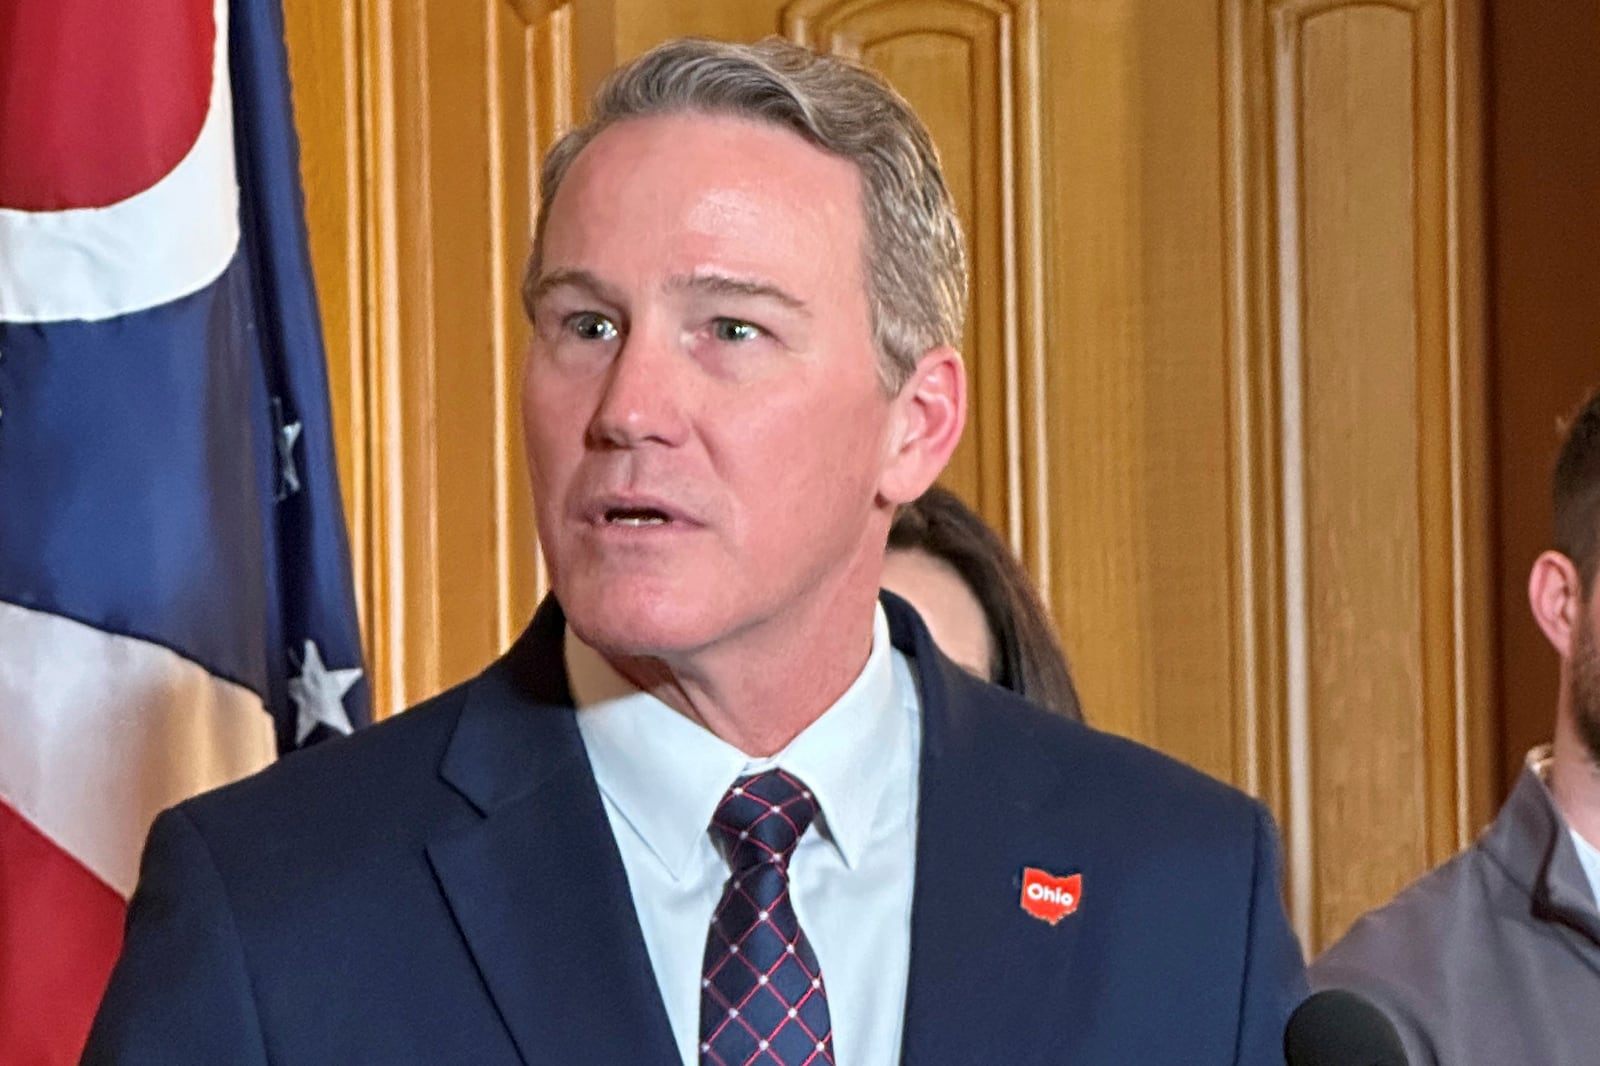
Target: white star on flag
x,y
287,434
318,693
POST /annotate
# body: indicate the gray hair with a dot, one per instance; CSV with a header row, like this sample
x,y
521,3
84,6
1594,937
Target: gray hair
x,y
915,259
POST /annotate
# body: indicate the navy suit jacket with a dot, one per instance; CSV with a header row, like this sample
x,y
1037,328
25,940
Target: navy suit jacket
x,y
444,888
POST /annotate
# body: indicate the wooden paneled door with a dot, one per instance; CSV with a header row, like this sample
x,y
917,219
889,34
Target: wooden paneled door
x,y
1226,350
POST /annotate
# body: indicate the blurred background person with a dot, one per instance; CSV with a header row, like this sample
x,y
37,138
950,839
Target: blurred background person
x,y
977,600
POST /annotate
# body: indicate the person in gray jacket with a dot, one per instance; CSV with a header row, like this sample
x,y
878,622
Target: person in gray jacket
x,y
1494,958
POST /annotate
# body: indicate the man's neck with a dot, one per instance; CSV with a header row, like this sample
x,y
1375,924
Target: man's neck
x,y
760,691
1575,780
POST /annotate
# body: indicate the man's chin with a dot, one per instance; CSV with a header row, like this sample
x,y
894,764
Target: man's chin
x,y
627,627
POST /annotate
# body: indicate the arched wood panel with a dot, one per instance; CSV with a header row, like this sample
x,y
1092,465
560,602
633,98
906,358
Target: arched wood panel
x,y
1362,373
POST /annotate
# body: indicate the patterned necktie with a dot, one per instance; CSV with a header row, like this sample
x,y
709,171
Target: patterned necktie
x,y
762,1002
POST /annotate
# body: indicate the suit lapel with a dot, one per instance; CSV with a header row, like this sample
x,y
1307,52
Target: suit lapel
x,y
987,982
537,886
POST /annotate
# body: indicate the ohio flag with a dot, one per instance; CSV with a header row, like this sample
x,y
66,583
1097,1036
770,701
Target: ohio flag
x,y
175,594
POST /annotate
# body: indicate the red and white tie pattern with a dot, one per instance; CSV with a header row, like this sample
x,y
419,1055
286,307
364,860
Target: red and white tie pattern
x,y
762,1000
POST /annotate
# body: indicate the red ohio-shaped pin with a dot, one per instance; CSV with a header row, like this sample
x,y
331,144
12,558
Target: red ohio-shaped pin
x,y
1050,898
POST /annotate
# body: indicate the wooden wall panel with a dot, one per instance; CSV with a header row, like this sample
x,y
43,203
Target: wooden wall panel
x,y
531,103
1372,507
1135,384
1355,482
1194,707
454,289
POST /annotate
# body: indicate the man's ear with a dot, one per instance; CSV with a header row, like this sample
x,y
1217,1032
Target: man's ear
x,y
925,425
1556,596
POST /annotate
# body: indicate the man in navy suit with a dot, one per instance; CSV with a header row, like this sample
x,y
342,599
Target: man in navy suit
x,y
720,803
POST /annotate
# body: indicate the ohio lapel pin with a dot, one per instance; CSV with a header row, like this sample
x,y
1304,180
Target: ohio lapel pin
x,y
1050,898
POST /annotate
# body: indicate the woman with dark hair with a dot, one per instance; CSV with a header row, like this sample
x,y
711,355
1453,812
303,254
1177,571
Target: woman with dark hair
x,y
977,600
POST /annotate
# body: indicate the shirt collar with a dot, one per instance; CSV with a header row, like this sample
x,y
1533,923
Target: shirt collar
x,y
665,774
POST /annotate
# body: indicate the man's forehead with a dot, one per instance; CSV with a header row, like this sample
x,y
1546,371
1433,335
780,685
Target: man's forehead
x,y
720,153
701,203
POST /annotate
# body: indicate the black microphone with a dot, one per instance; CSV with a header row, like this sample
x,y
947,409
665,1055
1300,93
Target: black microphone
x,y
1339,1028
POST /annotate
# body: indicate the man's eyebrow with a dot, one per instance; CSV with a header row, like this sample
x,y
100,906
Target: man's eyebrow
x,y
727,285
715,284
538,288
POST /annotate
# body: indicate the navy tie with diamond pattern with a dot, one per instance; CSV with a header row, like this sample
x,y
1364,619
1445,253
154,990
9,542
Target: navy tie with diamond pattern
x,y
762,1001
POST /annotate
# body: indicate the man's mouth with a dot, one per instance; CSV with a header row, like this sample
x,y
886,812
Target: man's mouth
x,y
635,517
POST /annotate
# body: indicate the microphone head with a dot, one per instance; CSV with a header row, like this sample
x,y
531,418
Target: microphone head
x,y
1336,1027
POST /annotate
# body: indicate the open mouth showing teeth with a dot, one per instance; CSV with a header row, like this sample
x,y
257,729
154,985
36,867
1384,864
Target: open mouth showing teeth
x,y
635,517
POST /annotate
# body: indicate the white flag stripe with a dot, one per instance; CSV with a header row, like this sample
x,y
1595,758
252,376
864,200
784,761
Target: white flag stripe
x,y
158,245
99,733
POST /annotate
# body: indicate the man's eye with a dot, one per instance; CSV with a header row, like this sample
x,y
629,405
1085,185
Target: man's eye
x,y
733,331
587,325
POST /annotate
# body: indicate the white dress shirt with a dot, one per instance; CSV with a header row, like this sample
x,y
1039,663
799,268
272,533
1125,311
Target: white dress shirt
x,y
662,776
1589,855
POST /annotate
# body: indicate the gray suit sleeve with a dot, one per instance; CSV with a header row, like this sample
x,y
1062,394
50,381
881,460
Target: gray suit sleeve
x,y
180,993
1357,966
1275,973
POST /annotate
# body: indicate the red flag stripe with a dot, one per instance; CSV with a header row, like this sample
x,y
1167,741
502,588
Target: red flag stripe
x,y
168,221
60,931
100,100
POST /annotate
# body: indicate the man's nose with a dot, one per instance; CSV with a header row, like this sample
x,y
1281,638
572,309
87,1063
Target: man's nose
x,y
643,394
